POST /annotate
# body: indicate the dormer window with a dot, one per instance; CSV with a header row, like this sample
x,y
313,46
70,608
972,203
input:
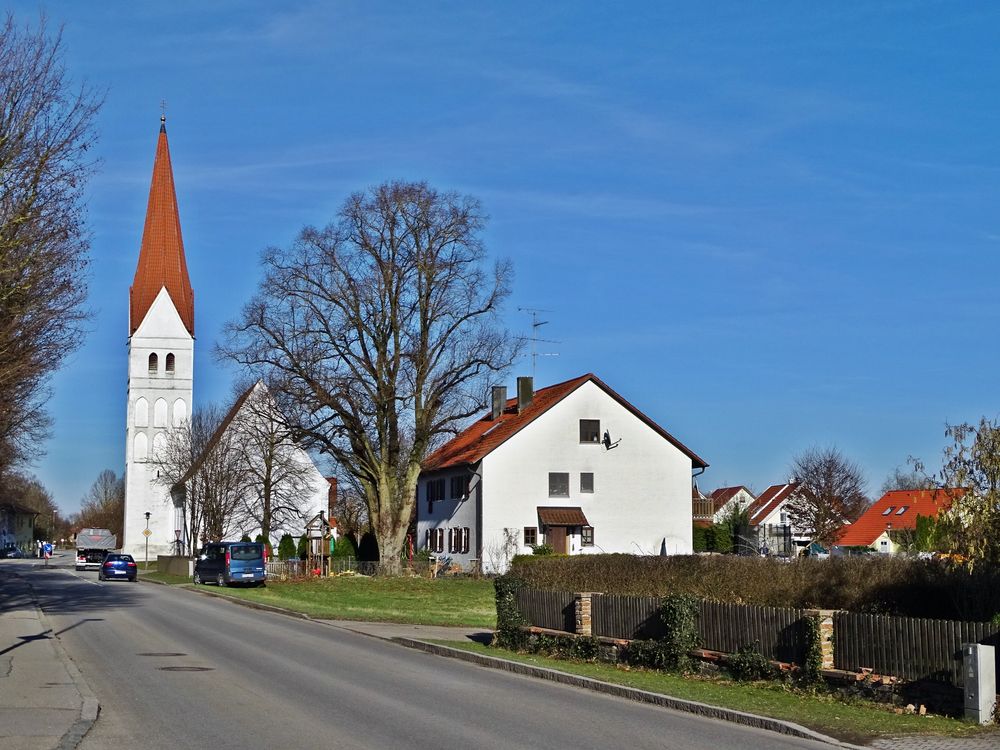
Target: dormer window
x,y
888,511
154,364
170,364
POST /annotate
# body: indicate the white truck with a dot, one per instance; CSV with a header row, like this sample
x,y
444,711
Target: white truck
x,y
91,547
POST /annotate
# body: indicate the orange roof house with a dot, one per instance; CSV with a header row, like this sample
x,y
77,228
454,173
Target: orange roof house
x,y
894,511
574,466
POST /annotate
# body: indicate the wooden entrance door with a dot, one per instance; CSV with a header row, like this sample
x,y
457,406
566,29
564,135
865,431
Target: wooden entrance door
x,y
556,536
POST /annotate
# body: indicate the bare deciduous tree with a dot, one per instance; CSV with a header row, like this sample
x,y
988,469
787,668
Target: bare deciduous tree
x,y
276,475
901,479
199,462
378,334
833,492
350,509
28,491
103,507
46,133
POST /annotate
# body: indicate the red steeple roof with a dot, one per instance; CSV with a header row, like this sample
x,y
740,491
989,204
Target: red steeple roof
x,y
161,257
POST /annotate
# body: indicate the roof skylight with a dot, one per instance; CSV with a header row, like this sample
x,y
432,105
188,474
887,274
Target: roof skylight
x,y
888,510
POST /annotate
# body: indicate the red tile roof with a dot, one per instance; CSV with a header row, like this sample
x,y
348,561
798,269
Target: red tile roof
x,y
872,522
486,434
770,499
161,256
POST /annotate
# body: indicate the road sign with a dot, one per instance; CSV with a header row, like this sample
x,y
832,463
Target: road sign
x,y
147,532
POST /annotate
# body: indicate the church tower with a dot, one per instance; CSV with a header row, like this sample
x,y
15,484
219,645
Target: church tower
x,y
160,363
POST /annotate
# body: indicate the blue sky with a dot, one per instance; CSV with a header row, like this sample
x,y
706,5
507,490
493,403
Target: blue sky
x,y
768,225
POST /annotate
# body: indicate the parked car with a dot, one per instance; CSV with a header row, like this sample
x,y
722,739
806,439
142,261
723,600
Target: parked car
x,y
12,552
226,563
117,565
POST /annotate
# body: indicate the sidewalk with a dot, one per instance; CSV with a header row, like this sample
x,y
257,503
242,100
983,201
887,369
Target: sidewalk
x,y
44,701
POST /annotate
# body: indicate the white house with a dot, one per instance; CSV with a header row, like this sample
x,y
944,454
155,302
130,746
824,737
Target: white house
x,y
573,465
769,512
729,500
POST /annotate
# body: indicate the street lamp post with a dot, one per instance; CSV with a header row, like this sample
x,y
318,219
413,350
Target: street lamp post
x,y
146,534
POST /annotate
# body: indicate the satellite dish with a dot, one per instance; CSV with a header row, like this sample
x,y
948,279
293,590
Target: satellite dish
x,y
608,445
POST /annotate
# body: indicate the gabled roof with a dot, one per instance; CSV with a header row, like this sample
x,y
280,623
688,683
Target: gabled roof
x,y
769,500
161,256
486,434
899,508
217,435
723,495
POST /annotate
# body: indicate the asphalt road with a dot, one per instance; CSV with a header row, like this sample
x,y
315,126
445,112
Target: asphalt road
x,y
174,669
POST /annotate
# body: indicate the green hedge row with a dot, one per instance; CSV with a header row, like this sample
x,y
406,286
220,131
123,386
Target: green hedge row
x,y
882,585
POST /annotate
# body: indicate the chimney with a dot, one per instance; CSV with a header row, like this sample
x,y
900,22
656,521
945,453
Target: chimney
x,y
499,401
525,391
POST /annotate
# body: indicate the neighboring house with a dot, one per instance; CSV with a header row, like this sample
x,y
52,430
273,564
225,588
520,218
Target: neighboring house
x,y
769,517
573,465
17,526
305,487
729,500
894,512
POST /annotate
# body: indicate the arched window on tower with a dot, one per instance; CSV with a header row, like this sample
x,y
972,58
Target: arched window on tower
x,y
141,412
140,449
170,364
153,363
160,413
179,413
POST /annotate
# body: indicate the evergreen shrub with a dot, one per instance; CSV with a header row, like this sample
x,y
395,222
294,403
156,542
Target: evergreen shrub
x,y
286,547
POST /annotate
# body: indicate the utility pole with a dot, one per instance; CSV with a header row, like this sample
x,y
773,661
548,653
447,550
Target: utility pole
x,y
534,339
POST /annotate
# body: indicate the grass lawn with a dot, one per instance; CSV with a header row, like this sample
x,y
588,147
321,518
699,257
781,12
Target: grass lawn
x,y
421,601
854,721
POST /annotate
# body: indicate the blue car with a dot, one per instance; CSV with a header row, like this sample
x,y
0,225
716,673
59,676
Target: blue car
x,y
117,566
227,563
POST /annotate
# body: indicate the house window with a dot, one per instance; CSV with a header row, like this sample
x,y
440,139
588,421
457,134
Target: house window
x,y
435,540
459,487
587,536
590,430
888,510
530,536
902,510
435,492
587,481
169,365
153,364
558,484
463,540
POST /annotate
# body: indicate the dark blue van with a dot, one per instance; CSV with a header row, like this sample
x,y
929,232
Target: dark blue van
x,y
226,563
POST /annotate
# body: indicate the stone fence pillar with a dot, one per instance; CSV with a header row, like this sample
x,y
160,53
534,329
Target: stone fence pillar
x,y
582,613
825,634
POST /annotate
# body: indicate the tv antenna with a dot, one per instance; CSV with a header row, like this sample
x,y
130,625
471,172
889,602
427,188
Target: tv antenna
x,y
534,338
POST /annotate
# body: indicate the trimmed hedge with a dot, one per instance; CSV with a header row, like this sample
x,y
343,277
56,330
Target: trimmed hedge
x,y
878,585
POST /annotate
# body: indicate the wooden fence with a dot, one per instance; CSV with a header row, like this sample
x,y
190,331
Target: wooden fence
x,y
554,610
627,617
777,633
907,647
